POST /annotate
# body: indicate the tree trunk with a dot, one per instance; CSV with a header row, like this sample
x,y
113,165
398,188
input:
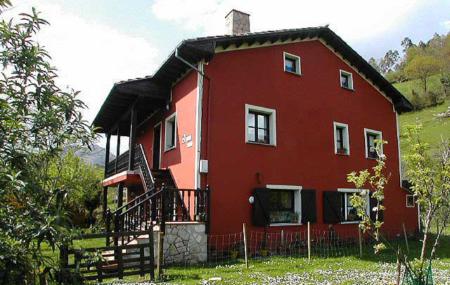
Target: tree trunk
x,y
425,236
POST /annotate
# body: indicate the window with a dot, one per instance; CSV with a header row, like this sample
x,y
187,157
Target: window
x,y
282,208
260,125
170,132
338,208
292,63
284,204
348,212
346,80
341,139
410,201
371,138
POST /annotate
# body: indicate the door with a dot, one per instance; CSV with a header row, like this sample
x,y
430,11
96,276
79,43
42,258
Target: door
x,y
156,146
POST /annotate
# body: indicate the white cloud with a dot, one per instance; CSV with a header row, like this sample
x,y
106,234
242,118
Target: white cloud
x,y
90,56
446,24
352,19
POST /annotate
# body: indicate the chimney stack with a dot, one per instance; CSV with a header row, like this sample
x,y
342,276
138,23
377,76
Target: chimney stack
x,y
237,22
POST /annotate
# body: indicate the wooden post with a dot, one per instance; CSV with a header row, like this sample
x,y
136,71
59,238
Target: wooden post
x,y
108,226
151,244
398,267
64,262
309,241
360,242
132,139
105,189
159,265
406,237
244,231
117,150
120,195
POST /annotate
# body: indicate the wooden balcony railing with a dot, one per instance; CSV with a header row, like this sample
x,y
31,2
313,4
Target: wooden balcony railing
x,y
117,165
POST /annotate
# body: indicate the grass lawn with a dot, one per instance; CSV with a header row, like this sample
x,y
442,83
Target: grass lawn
x,y
371,269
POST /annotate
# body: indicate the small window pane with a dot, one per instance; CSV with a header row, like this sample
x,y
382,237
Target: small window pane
x,y
345,80
251,134
251,120
262,136
262,121
290,65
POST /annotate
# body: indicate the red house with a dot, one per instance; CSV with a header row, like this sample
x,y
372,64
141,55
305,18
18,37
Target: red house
x,y
266,125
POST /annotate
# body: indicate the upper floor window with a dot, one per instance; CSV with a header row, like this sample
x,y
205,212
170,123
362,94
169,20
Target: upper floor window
x,y
170,141
371,137
260,125
346,79
410,201
292,63
341,139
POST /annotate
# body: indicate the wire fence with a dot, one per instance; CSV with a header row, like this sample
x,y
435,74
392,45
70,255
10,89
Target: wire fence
x,y
228,248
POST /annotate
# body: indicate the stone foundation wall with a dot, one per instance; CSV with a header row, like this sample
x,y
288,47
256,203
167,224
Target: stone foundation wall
x,y
184,243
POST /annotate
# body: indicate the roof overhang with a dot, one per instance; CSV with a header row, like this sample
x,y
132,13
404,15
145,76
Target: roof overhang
x,y
152,93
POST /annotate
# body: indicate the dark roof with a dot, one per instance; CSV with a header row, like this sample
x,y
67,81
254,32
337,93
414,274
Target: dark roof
x,y
151,93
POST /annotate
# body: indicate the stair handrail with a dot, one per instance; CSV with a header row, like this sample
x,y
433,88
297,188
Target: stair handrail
x,y
153,195
144,168
132,202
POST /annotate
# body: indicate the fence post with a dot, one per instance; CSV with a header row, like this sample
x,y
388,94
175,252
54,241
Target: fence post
x,y
360,242
244,231
64,261
309,241
160,255
406,237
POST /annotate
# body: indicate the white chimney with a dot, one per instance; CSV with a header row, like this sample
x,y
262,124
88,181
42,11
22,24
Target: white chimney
x,y
237,22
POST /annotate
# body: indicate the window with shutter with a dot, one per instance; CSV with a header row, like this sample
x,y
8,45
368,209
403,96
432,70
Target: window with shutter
x,y
261,207
332,204
308,206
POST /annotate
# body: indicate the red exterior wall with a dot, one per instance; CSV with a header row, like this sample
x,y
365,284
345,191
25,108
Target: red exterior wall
x,y
181,159
306,107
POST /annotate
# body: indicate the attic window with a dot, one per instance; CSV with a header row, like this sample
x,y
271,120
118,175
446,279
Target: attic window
x,y
346,79
292,63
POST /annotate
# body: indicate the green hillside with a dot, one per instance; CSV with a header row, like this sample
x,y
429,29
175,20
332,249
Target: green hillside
x,y
433,128
406,87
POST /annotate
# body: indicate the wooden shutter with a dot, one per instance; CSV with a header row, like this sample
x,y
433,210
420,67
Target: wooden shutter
x,y
332,204
261,207
308,197
373,203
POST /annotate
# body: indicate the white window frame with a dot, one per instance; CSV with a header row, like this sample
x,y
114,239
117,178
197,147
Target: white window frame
x,y
341,72
272,123
297,202
298,63
346,137
351,191
414,203
375,132
166,134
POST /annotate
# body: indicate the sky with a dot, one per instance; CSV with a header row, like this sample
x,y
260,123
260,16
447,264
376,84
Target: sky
x,y
95,43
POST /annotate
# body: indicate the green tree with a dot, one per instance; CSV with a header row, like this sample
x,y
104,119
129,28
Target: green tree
x,y
430,177
81,181
37,119
422,67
